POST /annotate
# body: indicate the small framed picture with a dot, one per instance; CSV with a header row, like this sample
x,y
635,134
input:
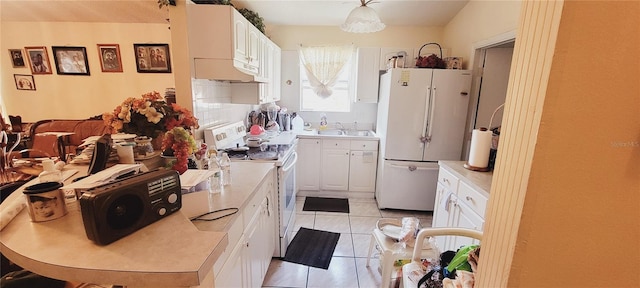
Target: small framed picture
x,y
24,82
109,55
70,60
152,58
38,60
16,58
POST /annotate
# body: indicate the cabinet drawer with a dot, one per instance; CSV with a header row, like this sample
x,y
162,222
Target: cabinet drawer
x,y
472,198
252,207
364,145
335,144
448,180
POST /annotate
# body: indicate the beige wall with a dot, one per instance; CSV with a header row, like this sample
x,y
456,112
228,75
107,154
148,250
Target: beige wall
x,y
290,37
478,21
565,208
75,96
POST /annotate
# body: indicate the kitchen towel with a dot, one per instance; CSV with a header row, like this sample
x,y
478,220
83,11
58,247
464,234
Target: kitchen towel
x,y
312,248
480,148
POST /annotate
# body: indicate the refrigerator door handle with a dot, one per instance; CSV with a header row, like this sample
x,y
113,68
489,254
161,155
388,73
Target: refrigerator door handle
x,y
432,112
424,138
412,167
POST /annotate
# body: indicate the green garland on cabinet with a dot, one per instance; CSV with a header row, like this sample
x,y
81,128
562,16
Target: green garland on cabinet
x,y
253,17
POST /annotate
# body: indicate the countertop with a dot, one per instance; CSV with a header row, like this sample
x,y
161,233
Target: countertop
x,y
313,133
170,252
480,181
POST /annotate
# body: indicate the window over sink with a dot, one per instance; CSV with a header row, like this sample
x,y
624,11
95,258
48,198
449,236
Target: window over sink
x,y
339,101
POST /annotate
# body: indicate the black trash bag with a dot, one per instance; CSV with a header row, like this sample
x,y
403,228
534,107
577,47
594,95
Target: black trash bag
x,y
27,279
433,278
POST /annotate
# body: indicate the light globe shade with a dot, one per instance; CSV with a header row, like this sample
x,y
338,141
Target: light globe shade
x,y
362,19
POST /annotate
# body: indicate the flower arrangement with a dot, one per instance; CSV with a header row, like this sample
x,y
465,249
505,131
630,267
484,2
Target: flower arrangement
x,y
153,117
148,116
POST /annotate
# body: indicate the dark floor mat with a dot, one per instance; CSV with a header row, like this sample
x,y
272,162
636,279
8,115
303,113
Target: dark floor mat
x,y
312,248
326,204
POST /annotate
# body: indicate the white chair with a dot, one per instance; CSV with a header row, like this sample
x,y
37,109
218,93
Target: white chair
x,y
416,262
390,252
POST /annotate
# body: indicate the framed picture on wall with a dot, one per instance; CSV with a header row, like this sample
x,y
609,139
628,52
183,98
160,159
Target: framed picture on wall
x,y
38,60
70,60
152,58
17,60
24,82
109,55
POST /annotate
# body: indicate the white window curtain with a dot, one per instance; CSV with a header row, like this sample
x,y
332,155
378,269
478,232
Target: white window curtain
x,y
323,65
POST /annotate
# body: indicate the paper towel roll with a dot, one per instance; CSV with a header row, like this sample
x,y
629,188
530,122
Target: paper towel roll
x,y
480,148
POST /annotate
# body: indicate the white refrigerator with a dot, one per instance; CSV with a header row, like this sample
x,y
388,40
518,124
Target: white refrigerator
x,y
421,120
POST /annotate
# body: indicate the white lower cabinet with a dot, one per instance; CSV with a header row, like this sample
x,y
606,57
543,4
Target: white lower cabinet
x,y
232,273
308,165
332,164
464,217
362,171
457,205
335,164
247,263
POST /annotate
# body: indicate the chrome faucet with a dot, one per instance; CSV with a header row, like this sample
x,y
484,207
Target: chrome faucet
x,y
339,124
355,125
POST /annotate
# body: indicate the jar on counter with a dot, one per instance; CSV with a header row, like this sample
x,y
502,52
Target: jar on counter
x,y
143,146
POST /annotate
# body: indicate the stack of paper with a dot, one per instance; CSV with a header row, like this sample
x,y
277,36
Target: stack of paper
x,y
104,176
192,177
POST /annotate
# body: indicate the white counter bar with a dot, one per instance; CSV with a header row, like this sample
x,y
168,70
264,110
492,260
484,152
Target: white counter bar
x,y
171,252
480,181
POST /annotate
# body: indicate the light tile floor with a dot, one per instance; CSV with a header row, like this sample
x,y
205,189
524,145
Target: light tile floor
x,y
348,265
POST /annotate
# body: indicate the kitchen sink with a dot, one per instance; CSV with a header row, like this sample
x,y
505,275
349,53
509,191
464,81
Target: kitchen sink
x,y
338,132
333,132
364,133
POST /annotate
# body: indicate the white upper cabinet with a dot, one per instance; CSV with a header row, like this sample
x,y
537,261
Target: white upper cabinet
x,y
247,46
368,75
225,46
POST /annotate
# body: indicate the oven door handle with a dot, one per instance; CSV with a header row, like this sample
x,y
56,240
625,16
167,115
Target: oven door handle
x,y
291,163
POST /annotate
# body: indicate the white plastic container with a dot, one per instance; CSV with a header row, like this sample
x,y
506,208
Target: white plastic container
x,y
297,123
49,172
225,166
215,181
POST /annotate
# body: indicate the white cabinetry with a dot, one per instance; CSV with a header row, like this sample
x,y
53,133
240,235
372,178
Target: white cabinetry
x,y
246,44
458,204
332,164
308,167
233,273
368,75
363,165
335,164
251,241
225,46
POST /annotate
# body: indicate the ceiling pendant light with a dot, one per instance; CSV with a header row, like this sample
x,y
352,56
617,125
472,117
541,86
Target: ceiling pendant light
x,y
363,19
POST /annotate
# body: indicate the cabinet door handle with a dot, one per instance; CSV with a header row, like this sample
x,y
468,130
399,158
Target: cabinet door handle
x,y
469,198
445,180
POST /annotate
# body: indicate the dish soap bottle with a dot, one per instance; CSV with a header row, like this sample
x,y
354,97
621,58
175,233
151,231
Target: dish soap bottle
x,y
49,172
323,121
